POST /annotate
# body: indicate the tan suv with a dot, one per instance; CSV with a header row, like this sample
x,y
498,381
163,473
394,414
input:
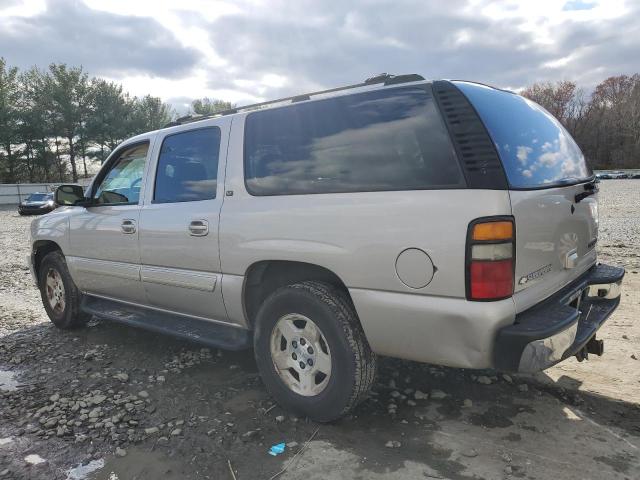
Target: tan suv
x,y
439,221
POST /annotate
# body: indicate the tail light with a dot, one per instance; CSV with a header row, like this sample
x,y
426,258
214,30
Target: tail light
x,y
490,258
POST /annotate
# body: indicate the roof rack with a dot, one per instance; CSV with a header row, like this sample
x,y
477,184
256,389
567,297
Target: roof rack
x,y
384,78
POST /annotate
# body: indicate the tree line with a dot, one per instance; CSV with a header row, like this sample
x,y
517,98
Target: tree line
x,y
55,122
604,123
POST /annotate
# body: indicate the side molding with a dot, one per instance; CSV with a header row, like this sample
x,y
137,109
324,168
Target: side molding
x,y
180,278
123,270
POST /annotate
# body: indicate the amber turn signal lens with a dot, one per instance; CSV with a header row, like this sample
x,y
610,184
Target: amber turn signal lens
x,y
493,231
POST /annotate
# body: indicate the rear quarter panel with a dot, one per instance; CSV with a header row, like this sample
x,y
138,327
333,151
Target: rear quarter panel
x,y
358,236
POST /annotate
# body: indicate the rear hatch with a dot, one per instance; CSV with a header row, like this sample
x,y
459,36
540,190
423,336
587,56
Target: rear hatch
x,y
553,196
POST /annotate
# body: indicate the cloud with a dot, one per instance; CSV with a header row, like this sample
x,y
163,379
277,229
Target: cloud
x,y
334,43
250,50
522,154
104,43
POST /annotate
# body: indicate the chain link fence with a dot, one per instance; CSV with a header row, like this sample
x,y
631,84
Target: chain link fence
x,y
14,193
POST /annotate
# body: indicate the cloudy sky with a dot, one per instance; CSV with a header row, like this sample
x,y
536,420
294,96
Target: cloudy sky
x,y
249,50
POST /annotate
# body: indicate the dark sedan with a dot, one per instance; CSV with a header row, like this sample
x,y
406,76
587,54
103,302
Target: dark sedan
x,y
37,204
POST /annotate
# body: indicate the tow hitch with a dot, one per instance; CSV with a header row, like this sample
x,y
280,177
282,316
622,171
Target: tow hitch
x,y
594,346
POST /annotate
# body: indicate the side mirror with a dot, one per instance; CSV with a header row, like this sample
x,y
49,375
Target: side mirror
x,y
69,195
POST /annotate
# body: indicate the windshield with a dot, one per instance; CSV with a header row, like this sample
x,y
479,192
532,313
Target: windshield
x,y
37,197
535,149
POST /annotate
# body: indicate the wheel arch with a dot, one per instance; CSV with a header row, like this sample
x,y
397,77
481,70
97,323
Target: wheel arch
x,y
40,249
264,277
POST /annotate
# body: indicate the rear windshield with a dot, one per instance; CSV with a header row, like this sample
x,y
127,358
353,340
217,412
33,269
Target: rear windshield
x,y
535,149
391,139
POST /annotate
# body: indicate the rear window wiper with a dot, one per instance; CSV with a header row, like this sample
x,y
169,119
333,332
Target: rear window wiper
x,y
589,189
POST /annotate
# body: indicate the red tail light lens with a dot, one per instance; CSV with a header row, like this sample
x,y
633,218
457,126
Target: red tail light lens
x,y
491,280
490,258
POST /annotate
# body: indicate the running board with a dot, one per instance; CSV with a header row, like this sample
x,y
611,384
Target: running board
x,y
210,333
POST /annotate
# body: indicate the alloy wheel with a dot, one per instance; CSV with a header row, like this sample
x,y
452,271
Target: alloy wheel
x,y
300,354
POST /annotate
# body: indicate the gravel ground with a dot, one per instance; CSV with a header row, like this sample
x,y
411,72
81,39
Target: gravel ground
x,y
127,404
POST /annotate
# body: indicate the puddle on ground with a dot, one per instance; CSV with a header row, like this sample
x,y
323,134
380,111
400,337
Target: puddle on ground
x,y
81,472
34,459
5,441
8,381
138,464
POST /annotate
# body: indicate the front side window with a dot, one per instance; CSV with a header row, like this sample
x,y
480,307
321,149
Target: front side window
x,y
121,185
535,149
391,139
188,166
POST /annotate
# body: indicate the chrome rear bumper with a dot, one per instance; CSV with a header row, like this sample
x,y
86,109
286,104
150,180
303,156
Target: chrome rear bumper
x,y
561,325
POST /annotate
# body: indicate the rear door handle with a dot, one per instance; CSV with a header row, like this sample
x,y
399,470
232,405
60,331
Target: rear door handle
x,y
128,226
199,228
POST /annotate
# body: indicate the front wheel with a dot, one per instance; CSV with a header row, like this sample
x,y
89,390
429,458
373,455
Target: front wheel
x,y
60,296
312,352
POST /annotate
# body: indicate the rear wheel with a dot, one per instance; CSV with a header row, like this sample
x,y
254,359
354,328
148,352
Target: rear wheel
x,y
60,296
311,350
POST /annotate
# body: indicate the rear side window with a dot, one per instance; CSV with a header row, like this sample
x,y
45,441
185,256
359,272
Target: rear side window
x,y
188,166
382,140
535,149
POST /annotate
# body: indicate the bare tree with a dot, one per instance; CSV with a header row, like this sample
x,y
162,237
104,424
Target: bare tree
x,y
606,125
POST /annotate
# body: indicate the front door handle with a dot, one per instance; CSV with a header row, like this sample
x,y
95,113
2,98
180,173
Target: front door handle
x,y
199,228
128,226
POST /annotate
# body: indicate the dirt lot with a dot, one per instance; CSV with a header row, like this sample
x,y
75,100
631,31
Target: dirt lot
x,y
130,404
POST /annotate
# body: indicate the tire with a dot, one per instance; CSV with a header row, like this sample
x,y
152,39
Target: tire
x,y
65,314
339,336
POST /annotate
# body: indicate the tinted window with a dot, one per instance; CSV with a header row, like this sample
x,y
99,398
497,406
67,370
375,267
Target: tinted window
x,y
122,183
381,140
534,147
188,166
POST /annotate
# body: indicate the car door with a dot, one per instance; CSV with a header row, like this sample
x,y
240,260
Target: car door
x,y
104,258
179,221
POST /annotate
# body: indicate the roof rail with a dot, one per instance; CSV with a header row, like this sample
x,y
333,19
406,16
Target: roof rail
x,y
383,78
